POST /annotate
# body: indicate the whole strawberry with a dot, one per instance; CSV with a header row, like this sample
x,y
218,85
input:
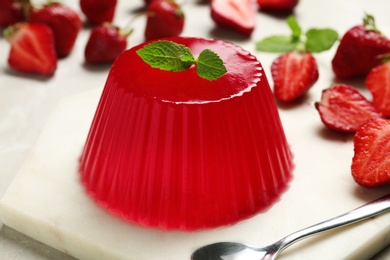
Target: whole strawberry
x,y
278,5
237,15
165,19
371,161
344,109
360,50
296,71
378,82
64,22
11,12
98,11
106,42
32,48
293,74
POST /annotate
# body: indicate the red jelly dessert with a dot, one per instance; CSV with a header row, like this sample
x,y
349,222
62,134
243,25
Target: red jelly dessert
x,y
175,151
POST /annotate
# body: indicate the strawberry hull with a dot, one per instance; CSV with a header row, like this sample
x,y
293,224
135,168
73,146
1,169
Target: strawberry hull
x,y
174,151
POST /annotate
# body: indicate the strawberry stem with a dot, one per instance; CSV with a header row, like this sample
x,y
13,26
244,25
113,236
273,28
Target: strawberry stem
x,y
301,47
127,29
126,33
369,23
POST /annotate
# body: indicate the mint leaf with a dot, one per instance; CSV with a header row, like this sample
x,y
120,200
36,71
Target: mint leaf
x,y
167,55
296,29
209,65
318,40
315,40
171,56
277,43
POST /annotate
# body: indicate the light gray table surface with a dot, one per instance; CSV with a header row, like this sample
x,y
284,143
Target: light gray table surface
x,y
27,101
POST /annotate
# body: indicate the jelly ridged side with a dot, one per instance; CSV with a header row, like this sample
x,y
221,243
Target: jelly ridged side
x,y
186,166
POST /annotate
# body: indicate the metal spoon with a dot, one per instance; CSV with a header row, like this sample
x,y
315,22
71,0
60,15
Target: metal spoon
x,y
238,251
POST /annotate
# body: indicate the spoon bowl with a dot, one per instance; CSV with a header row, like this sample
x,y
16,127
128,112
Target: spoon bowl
x,y
238,251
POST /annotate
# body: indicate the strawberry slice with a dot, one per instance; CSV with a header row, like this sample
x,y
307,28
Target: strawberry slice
x,y
293,74
237,15
32,48
371,161
344,109
378,82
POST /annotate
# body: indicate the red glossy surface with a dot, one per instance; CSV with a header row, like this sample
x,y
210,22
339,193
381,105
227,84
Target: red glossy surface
x,y
136,76
160,156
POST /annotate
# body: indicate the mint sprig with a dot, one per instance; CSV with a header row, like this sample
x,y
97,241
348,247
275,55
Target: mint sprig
x,y
170,56
314,40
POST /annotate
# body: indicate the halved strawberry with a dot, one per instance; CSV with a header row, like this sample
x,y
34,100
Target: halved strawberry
x,y
32,48
64,22
278,5
165,19
237,15
378,82
371,161
342,108
106,42
360,50
293,73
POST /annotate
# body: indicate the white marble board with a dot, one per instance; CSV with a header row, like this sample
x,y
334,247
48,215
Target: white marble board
x,y
46,201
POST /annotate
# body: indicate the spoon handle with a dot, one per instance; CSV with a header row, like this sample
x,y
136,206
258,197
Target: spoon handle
x,y
366,211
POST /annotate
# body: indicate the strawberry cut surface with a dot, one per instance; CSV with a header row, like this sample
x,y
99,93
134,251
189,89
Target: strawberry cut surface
x,y
378,82
238,15
175,151
343,108
371,161
32,49
293,74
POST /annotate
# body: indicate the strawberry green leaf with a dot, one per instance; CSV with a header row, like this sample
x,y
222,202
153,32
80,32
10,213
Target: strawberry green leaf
x,y
369,23
209,65
167,55
319,40
296,29
277,44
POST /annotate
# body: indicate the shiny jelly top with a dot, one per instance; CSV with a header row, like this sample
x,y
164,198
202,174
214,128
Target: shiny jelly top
x,y
243,72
